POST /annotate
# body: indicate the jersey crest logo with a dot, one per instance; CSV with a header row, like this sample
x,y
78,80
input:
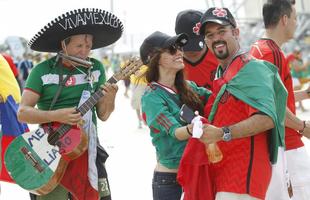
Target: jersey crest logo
x,y
71,81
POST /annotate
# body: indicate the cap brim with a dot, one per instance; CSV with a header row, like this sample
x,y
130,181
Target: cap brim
x,y
217,21
194,44
180,40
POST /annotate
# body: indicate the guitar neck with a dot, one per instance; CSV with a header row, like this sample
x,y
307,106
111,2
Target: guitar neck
x,y
131,67
86,106
91,102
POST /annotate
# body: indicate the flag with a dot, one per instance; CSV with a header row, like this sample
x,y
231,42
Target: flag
x,y
194,173
10,126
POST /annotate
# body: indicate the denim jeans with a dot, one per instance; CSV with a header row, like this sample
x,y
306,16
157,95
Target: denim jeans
x,y
166,187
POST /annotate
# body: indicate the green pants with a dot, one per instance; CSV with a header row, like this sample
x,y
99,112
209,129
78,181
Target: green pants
x,y
59,193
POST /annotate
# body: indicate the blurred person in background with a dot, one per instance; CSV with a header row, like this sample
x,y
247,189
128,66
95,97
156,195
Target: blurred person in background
x,y
138,85
200,63
116,63
166,91
106,63
24,67
291,178
300,72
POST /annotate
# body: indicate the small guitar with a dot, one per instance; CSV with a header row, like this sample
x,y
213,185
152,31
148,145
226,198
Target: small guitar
x,y
37,160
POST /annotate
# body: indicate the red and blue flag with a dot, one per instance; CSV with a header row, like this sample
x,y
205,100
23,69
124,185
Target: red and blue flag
x,y
10,126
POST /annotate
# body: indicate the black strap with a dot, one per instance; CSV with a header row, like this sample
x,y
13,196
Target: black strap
x,y
62,83
177,101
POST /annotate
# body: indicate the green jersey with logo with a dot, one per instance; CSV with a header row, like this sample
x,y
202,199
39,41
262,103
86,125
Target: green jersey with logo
x,y
162,116
44,80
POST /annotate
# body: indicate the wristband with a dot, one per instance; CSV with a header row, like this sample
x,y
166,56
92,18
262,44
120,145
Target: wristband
x,y
187,129
301,131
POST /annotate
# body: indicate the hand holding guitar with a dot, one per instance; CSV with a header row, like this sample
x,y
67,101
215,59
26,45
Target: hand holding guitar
x,y
109,90
66,116
106,103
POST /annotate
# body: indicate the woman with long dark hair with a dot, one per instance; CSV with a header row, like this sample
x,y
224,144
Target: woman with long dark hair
x,y
167,90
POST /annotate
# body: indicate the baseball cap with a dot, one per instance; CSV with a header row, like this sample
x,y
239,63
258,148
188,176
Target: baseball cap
x,y
159,40
220,16
188,21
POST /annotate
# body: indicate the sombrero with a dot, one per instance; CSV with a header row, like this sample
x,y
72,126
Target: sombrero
x,y
105,27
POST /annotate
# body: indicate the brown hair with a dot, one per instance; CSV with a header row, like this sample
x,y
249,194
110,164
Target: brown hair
x,y
187,95
273,10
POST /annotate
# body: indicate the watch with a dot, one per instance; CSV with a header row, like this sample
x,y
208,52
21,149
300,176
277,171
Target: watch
x,y
226,134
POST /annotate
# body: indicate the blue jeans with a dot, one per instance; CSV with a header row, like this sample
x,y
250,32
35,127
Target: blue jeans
x,y
166,187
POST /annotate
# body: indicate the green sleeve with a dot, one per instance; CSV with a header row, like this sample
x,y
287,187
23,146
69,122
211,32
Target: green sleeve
x,y
158,114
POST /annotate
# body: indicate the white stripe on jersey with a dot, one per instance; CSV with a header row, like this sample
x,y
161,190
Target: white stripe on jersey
x,y
79,78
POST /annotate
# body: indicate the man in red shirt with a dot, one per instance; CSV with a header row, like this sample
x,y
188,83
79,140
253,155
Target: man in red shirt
x,y
280,24
243,112
200,63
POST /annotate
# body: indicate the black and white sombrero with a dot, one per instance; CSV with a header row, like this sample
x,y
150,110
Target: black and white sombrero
x,y
105,27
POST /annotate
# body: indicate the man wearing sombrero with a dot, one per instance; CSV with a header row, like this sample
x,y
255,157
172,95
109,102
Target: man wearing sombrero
x,y
72,36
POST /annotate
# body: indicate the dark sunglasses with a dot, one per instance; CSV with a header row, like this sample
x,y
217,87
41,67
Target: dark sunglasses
x,y
173,49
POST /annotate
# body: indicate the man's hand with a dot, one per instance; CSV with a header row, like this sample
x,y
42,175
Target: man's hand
x,y
109,91
211,134
302,94
106,104
66,116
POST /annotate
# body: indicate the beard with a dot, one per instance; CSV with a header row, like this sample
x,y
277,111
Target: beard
x,y
222,54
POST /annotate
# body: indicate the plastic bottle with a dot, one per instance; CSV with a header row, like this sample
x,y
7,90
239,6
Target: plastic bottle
x,y
214,153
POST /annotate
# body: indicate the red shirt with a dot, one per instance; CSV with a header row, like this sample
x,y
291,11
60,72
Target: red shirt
x,y
267,49
245,167
203,71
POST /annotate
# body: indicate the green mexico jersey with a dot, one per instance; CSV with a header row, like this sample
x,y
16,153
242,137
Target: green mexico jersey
x,y
162,116
44,80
